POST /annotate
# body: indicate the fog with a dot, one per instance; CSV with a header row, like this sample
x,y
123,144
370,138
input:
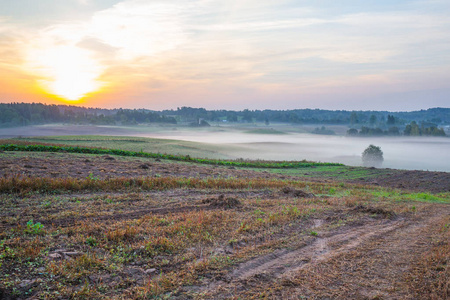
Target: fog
x,y
420,153
413,153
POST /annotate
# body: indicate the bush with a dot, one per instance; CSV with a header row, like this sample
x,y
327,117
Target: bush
x,y
372,156
352,132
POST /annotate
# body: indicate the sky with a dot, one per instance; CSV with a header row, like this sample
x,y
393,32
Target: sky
x,y
349,54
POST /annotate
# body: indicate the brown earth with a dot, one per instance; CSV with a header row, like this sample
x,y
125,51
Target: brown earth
x,y
59,165
285,243
414,180
348,251
367,260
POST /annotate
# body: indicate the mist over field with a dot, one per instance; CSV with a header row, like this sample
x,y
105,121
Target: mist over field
x,y
210,149
411,153
422,153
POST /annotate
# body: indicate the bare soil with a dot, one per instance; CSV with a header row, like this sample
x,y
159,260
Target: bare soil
x,y
285,243
367,260
59,165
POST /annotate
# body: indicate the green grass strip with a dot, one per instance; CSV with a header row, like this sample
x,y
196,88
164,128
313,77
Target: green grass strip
x,y
420,197
187,158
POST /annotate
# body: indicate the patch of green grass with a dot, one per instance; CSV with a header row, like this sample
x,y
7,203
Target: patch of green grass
x,y
186,158
336,172
138,144
420,197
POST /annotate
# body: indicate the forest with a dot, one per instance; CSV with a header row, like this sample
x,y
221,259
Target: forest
x,y
23,114
363,123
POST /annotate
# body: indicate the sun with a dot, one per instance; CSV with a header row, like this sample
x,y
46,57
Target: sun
x,y
68,72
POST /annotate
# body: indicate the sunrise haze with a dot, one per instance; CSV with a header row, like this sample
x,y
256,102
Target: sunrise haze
x,y
380,55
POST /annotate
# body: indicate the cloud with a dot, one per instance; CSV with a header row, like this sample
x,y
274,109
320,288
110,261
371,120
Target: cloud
x,y
97,46
139,28
84,2
255,46
69,59
262,26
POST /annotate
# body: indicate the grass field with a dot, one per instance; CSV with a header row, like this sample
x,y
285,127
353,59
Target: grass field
x,y
137,144
87,226
177,147
234,142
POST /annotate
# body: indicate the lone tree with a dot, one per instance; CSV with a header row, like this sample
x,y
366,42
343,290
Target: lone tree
x,y
372,156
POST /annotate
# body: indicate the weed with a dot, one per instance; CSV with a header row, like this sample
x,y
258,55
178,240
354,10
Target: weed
x,y
259,212
122,234
109,200
92,177
313,233
34,228
291,211
32,249
232,242
160,245
243,227
91,241
46,204
6,252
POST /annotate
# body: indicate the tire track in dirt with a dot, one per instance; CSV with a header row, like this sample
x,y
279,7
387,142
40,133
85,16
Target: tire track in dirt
x,y
128,215
284,262
68,222
179,206
379,268
359,262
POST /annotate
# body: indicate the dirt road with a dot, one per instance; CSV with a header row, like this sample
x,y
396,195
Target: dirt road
x,y
370,260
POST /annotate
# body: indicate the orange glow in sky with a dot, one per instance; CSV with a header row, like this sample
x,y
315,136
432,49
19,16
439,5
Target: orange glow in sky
x,y
226,54
65,71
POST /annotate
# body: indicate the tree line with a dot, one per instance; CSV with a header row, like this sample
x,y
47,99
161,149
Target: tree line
x,y
22,114
412,129
313,116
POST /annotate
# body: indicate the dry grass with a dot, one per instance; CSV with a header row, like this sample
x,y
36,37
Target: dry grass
x,y
167,237
21,184
184,246
431,276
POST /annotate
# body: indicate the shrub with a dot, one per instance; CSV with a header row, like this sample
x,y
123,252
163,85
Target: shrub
x,y
372,156
352,132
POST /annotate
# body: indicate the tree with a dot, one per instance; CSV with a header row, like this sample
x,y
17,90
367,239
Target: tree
x,y
232,117
412,129
372,156
353,118
393,131
247,116
352,132
390,120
